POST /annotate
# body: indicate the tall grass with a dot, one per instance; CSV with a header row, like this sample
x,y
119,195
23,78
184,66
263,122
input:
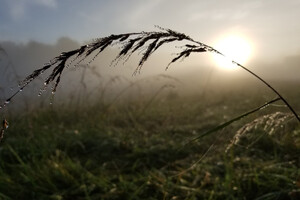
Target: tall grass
x,y
146,42
63,153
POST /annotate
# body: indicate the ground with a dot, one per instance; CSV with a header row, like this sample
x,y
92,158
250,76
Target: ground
x,y
140,149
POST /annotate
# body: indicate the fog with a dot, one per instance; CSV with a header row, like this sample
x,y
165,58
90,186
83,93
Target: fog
x,y
31,34
198,73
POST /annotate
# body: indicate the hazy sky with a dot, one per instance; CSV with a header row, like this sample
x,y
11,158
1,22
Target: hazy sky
x,y
271,25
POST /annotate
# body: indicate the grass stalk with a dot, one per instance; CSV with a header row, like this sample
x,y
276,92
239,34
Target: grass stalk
x,y
227,123
147,42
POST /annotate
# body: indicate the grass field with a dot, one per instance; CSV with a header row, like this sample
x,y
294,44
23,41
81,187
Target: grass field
x,y
136,150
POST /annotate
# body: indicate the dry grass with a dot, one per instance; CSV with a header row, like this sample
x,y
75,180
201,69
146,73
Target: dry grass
x,y
270,124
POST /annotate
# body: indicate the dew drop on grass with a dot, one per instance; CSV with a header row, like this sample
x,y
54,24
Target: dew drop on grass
x,y
52,98
40,91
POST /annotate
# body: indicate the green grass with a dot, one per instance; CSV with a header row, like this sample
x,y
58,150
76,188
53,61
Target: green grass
x,y
118,153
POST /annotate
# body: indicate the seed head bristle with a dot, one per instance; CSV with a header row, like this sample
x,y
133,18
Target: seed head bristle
x,y
268,123
133,42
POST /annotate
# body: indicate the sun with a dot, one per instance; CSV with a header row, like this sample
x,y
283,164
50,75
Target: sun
x,y
234,47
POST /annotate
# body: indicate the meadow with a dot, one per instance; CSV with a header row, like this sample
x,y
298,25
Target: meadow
x,y
148,138
138,147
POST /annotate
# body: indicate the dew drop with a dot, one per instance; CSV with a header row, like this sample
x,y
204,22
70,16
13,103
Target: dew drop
x,y
7,102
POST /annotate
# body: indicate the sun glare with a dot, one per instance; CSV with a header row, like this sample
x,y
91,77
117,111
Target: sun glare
x,y
235,48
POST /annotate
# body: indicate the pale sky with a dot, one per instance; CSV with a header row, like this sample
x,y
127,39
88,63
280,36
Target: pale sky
x,y
271,25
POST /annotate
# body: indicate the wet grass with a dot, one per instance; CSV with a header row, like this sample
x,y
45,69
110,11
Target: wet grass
x,y
92,152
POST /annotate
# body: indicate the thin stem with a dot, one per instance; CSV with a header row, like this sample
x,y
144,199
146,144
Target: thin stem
x,y
132,45
1,134
225,124
273,89
209,48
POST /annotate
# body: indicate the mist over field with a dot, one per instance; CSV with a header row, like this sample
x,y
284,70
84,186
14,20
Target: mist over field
x,y
197,73
89,111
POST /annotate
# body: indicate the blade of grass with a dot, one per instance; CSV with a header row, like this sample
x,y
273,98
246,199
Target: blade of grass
x,y
225,124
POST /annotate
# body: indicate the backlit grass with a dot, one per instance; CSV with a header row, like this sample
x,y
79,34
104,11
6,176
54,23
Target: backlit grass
x,y
92,152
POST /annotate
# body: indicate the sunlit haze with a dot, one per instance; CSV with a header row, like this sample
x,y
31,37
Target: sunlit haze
x,y
235,48
263,35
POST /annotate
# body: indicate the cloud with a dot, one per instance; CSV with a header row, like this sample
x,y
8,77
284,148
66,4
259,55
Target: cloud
x,y
19,9
47,3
